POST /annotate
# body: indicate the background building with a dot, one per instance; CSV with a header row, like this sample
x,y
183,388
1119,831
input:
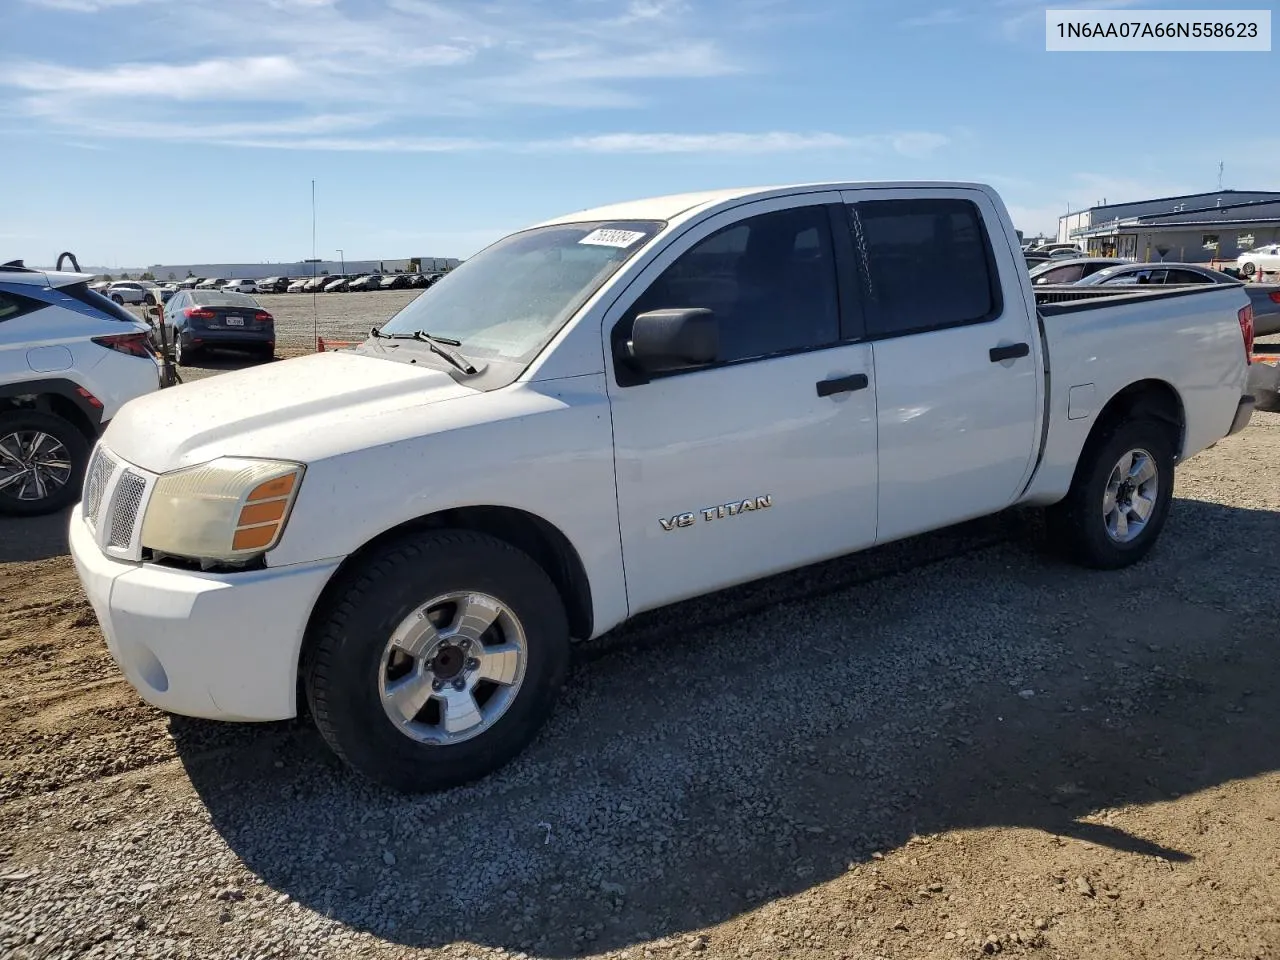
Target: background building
x,y
1194,228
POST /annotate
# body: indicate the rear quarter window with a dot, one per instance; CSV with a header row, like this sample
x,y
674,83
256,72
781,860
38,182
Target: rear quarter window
x,y
14,305
81,292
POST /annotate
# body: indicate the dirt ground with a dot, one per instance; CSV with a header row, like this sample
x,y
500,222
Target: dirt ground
x,y
953,747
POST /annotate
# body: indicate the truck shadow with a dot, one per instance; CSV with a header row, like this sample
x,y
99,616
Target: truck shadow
x,y
739,749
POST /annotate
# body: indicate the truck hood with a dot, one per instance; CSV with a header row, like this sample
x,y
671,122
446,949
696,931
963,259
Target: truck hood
x,y
298,409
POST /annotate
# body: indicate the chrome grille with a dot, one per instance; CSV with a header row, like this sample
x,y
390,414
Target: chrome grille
x,y
124,508
95,484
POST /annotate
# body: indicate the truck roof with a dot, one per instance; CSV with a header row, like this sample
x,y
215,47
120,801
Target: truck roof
x,y
674,205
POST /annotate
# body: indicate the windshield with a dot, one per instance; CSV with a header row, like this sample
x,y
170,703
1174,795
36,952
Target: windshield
x,y
509,300
223,298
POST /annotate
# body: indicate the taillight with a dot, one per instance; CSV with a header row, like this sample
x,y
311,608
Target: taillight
x,y
1275,296
262,317
198,313
1245,316
134,344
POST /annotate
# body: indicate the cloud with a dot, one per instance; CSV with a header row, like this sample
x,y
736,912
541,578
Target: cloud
x,y
1031,11
321,75
86,6
631,143
242,78
320,134
937,18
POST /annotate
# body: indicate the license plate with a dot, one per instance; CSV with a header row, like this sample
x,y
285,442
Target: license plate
x,y
235,321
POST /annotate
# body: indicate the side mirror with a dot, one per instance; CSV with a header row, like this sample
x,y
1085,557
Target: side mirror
x,y
673,338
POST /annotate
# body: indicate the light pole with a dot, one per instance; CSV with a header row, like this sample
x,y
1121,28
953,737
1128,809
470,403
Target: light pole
x,y
343,260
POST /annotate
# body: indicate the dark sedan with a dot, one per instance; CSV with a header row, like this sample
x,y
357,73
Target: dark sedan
x,y
1072,270
200,320
396,281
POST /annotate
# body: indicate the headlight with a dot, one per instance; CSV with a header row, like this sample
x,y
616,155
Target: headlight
x,y
226,509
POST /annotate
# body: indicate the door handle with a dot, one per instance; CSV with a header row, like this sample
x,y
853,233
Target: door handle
x,y
1011,352
857,381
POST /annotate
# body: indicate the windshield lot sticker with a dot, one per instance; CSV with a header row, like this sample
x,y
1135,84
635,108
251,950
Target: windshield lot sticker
x,y
611,238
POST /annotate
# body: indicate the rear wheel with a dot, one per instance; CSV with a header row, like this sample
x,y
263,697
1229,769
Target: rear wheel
x,y
182,355
1248,269
438,660
1120,498
42,463
118,299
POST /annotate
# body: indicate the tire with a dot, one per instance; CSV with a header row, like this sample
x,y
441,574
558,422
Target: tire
x,y
118,299
265,354
350,667
63,442
1079,524
1248,269
182,356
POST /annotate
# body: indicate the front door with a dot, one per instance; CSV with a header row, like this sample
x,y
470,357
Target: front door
x,y
766,459
956,356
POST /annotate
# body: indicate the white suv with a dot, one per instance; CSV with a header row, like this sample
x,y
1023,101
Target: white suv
x,y
69,359
241,286
126,291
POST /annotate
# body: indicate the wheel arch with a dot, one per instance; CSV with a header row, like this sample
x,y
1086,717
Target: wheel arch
x,y
542,540
62,398
1153,398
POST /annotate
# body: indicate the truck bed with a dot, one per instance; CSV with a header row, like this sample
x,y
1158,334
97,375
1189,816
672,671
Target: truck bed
x,y
1052,298
1099,342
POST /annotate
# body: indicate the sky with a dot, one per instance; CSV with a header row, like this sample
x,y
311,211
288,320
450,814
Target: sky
x,y
145,131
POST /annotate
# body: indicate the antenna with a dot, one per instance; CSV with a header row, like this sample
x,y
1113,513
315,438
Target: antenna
x,y
1220,163
315,315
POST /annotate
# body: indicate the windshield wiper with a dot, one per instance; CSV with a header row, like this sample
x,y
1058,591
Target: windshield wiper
x,y
438,345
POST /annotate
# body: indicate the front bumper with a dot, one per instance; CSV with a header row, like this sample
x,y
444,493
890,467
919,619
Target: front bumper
x,y
218,646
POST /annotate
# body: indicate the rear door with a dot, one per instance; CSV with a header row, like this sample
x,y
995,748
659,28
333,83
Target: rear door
x,y
956,355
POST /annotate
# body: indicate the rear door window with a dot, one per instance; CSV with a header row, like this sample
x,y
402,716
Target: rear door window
x,y
927,264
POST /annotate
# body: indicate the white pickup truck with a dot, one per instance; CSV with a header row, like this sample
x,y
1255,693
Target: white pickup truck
x,y
609,412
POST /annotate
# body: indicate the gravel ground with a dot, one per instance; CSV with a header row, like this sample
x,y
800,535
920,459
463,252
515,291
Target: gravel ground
x,y
953,747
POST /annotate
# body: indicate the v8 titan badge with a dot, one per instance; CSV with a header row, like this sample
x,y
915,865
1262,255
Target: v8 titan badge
x,y
716,513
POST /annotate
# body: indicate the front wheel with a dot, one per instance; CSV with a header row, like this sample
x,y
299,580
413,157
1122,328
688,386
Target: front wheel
x,y
1120,497
1248,269
437,660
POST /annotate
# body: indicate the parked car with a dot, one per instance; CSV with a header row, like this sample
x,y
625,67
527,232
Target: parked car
x,y
241,286
1072,270
190,282
1265,258
290,535
336,285
1033,260
1265,298
316,283
100,285
273,284
125,291
158,293
212,283
396,281
200,320
298,286
69,360
370,281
